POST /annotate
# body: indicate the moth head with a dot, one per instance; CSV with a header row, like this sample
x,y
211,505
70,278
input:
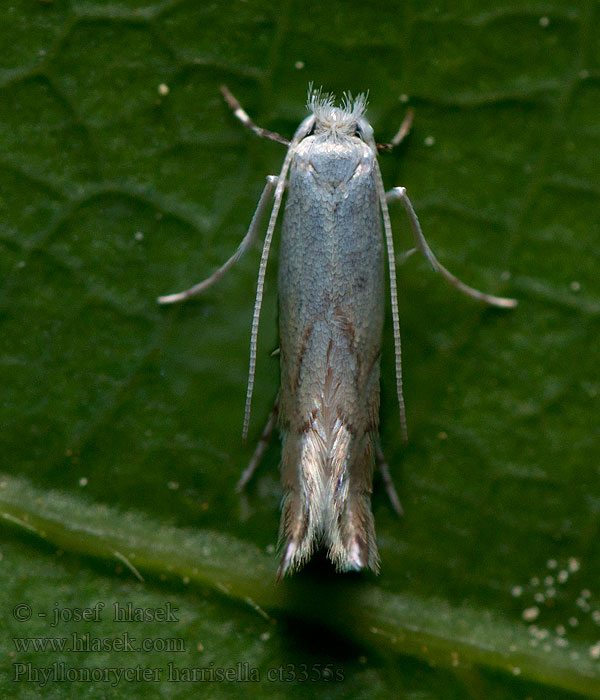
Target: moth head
x,y
347,119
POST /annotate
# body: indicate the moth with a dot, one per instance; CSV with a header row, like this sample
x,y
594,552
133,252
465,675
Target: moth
x,y
331,312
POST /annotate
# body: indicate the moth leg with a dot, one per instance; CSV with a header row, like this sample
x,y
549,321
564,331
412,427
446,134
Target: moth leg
x,y
401,134
246,243
387,480
423,247
241,114
260,449
403,257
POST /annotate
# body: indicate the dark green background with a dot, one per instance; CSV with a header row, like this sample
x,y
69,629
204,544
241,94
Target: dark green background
x,y
112,193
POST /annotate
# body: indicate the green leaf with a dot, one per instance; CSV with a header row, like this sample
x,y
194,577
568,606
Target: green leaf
x,y
364,613
125,176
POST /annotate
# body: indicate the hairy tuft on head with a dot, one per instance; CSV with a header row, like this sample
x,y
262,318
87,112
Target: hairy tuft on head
x,y
329,118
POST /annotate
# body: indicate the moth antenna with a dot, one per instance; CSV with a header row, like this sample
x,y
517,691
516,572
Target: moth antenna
x,y
389,241
260,286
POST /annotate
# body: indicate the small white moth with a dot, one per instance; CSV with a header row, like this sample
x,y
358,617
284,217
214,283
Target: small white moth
x,y
331,309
